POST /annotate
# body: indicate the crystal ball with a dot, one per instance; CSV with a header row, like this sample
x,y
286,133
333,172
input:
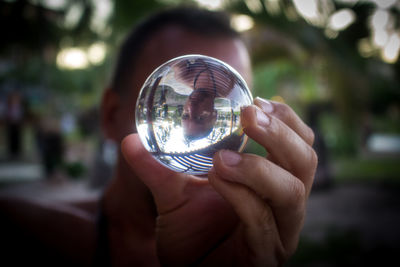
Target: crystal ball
x,y
188,109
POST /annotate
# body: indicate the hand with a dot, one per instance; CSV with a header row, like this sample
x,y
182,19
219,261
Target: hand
x,y
268,194
251,209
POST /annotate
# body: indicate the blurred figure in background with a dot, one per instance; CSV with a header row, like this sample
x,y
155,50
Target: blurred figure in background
x,y
14,123
51,146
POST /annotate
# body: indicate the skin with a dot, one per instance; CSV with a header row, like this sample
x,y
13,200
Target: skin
x,y
250,210
199,116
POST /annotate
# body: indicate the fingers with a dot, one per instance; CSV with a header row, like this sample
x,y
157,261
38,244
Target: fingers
x,y
258,224
285,146
287,115
166,185
254,186
281,185
272,183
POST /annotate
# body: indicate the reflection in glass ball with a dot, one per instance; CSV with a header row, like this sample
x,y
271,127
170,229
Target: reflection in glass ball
x,y
188,109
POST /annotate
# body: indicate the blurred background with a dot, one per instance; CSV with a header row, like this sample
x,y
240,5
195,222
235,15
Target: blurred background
x,y
335,62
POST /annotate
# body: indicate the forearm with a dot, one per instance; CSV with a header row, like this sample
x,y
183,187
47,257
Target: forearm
x,y
68,230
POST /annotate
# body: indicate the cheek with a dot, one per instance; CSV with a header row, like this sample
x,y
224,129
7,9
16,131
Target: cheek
x,y
126,122
128,113
130,122
189,127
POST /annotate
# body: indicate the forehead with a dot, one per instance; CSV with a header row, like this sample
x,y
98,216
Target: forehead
x,y
172,41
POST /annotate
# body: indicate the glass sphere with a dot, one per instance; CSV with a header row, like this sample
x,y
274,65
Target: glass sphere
x,y
188,109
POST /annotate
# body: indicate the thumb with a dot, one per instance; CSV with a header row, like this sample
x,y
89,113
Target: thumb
x,y
166,185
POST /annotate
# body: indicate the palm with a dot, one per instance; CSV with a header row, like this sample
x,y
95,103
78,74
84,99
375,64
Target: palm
x,y
211,221
193,219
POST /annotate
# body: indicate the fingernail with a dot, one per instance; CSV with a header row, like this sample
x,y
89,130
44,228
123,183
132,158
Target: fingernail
x,y
262,118
230,158
264,104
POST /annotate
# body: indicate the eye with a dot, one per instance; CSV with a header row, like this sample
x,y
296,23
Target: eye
x,y
200,118
203,116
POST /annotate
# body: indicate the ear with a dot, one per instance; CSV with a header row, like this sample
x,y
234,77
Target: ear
x,y
110,105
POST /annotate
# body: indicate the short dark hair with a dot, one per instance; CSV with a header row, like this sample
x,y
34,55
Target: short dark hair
x,y
205,22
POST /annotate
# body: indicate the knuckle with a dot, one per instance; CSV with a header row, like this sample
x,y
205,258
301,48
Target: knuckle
x,y
290,249
309,163
255,164
280,132
286,114
298,192
282,111
310,135
313,158
264,219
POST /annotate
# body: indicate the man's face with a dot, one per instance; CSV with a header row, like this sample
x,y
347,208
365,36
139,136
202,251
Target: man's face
x,y
198,115
173,41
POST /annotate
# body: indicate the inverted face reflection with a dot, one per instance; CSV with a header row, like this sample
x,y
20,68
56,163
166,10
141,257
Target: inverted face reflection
x,y
199,114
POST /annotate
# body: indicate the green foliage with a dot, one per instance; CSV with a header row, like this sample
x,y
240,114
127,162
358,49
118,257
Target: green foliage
x,y
340,139
269,76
